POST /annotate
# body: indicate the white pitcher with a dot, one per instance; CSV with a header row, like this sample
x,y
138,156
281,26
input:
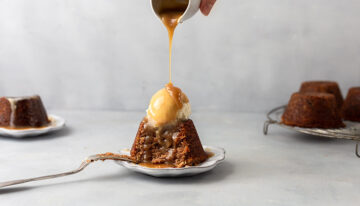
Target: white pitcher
x,y
192,7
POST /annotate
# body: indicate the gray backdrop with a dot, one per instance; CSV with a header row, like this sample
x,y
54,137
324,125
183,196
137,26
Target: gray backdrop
x,y
248,55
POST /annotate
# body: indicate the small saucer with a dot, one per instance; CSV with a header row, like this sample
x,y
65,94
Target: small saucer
x,y
217,157
56,123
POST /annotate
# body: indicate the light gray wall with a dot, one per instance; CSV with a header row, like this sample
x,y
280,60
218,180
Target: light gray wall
x,y
248,55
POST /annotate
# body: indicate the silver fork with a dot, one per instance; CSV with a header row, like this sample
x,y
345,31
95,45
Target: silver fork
x,y
85,163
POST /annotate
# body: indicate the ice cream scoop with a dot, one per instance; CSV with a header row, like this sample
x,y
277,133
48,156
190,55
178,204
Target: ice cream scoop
x,y
167,106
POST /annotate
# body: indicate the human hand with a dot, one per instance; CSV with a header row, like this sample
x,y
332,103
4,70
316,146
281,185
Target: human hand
x,y
206,6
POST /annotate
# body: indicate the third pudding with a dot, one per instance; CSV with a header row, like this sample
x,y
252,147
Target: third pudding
x,y
351,107
329,87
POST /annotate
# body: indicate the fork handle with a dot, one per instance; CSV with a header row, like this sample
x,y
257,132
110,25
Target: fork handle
x,y
85,163
15,182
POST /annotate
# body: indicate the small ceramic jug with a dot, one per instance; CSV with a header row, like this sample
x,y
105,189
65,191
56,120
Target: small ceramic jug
x,y
191,8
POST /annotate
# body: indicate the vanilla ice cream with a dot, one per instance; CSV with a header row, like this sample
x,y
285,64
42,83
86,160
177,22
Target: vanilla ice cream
x,y
168,105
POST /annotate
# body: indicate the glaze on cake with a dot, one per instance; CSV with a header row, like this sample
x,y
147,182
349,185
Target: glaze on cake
x,y
329,87
351,106
312,110
22,112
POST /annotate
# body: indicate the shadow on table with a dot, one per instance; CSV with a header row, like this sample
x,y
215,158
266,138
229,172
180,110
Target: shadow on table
x,y
14,190
52,135
219,173
103,178
307,138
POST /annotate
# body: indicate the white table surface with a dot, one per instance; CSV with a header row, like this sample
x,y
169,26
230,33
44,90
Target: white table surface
x,y
282,168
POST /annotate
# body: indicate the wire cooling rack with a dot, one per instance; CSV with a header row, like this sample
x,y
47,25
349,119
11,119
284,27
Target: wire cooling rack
x,y
350,132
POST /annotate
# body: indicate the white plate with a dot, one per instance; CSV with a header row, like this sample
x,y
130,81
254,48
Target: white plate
x,y
56,123
209,164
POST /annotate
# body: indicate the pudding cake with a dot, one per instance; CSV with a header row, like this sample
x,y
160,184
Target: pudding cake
x,y
167,136
22,112
351,107
312,110
329,87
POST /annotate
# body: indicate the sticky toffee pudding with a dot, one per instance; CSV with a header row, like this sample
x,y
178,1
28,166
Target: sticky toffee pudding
x,y
176,145
23,112
351,107
312,110
167,135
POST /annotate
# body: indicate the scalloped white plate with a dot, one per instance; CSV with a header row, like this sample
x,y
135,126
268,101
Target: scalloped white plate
x,y
209,164
56,123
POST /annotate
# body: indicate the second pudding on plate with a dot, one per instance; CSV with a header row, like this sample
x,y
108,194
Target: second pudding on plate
x,y
23,112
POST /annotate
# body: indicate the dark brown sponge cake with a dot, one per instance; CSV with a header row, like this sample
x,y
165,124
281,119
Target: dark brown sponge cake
x,y
178,145
351,106
312,110
22,112
324,87
5,112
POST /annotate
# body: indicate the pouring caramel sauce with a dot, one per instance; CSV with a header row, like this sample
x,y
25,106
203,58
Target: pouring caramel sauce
x,y
168,106
170,20
166,103
170,13
177,95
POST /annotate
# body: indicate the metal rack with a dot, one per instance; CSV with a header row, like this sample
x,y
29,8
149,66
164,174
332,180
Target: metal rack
x,y
350,132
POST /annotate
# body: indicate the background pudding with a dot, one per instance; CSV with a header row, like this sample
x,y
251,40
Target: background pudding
x,y
312,110
22,112
351,107
323,87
